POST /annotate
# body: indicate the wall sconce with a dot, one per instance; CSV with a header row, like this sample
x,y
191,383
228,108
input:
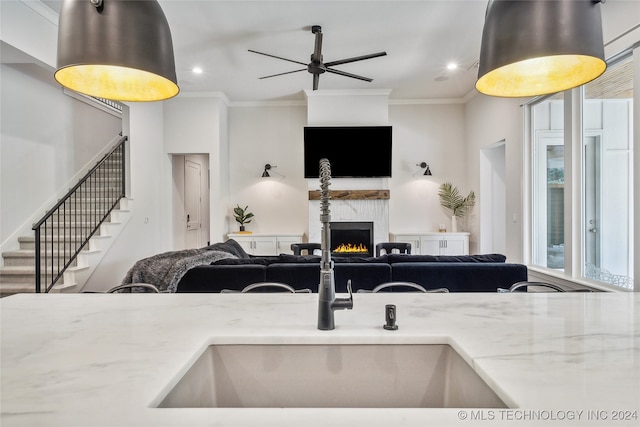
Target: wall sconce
x,y
537,47
116,49
425,166
267,168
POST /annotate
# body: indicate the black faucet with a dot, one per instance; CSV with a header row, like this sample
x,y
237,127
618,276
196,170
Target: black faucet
x,y
327,301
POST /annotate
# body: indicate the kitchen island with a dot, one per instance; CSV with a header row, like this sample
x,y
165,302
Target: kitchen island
x,y
109,359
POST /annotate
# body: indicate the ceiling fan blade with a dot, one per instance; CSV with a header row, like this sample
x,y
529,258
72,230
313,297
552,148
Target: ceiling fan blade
x,y
316,80
277,57
353,76
282,74
354,59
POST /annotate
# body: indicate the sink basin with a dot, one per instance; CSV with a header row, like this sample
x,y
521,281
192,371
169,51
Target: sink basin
x,y
331,376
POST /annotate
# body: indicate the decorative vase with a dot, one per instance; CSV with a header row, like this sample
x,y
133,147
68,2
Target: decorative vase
x,y
454,224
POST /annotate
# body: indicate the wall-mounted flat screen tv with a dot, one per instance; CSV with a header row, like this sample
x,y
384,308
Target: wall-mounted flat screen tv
x,y
353,151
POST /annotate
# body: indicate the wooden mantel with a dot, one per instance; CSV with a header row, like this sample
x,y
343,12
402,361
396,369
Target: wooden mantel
x,y
353,194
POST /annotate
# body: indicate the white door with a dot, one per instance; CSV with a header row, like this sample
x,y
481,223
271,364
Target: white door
x,y
193,202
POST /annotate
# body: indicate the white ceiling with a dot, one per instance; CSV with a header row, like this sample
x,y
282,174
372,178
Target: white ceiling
x,y
420,37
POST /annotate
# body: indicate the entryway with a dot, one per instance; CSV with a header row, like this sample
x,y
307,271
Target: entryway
x,y
493,206
190,200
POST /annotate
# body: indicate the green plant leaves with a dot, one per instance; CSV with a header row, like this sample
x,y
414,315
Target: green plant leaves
x,y
241,215
453,202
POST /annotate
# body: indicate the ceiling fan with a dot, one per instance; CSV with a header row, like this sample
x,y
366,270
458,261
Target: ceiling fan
x,y
317,67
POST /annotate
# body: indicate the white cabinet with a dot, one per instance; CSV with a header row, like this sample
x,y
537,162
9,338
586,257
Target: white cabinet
x,y
283,243
266,244
436,243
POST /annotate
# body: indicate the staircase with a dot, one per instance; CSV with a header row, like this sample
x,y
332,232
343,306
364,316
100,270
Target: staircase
x,y
18,275
73,236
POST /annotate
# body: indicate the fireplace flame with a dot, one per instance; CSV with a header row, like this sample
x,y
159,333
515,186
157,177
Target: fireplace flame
x,y
351,248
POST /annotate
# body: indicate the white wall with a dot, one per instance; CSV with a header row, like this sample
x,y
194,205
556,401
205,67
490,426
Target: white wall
x,y
31,28
431,133
488,120
47,137
274,135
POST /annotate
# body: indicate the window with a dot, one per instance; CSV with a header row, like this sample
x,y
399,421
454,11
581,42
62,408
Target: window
x,y
601,193
607,183
548,183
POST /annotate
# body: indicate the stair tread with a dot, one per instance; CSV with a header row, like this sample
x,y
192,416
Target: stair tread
x,y
14,288
30,253
17,269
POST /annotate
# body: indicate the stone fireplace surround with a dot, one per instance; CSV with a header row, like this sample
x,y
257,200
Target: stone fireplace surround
x,y
352,206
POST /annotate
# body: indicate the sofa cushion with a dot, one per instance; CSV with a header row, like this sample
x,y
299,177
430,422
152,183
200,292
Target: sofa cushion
x,y
295,259
230,246
397,258
307,275
462,276
299,259
241,261
394,258
382,259
472,258
298,275
256,260
362,275
214,278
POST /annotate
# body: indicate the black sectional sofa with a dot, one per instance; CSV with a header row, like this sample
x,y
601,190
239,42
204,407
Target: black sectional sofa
x,y
472,273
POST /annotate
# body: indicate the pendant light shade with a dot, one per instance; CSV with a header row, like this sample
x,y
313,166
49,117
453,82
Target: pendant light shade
x,y
116,49
537,47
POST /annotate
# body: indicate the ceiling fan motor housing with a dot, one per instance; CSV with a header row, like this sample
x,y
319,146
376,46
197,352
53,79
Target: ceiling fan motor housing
x,y
317,67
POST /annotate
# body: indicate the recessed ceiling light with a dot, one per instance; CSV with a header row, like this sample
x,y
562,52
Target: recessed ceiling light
x,y
197,70
452,66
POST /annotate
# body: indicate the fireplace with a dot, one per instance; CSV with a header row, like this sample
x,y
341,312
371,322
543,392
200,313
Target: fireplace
x,y
351,238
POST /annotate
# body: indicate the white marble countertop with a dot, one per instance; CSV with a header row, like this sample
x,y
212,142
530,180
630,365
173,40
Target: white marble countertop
x,y
107,360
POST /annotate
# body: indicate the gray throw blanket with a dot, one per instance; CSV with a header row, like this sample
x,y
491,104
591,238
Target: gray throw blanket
x,y
165,270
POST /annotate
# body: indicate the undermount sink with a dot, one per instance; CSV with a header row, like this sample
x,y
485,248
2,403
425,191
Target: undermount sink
x,y
331,376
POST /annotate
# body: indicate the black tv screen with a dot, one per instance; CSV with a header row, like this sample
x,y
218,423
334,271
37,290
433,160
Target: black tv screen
x,y
353,151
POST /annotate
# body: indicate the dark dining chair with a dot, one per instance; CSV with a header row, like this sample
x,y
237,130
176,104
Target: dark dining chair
x,y
309,248
402,286
389,247
540,287
267,287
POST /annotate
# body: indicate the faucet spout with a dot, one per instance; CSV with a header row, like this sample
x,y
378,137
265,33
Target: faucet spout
x,y
327,301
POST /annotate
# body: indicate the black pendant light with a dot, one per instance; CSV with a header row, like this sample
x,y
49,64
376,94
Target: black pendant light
x,y
537,47
116,49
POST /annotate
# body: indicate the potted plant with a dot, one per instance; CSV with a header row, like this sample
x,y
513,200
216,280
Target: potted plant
x,y
456,205
242,216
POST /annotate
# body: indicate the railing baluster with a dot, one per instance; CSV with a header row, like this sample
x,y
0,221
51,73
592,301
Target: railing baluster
x,y
92,201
